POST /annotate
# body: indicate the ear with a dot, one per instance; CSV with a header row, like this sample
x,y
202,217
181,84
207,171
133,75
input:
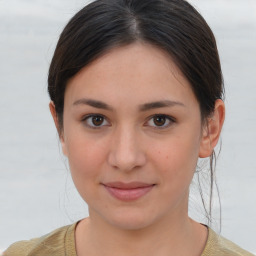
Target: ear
x,y
212,129
57,125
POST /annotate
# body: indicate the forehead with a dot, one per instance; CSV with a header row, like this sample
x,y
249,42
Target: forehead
x,y
140,72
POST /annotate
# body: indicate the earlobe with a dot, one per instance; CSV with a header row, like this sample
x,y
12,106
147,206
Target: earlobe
x,y
56,122
212,130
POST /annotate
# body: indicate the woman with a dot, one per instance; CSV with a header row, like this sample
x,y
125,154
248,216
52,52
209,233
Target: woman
x,y
136,96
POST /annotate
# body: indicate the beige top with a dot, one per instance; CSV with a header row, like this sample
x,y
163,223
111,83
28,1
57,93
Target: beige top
x,y
61,242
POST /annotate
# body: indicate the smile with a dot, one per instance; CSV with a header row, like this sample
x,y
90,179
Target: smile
x,y
128,191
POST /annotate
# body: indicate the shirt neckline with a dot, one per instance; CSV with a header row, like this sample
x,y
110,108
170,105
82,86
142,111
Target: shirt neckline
x,y
70,244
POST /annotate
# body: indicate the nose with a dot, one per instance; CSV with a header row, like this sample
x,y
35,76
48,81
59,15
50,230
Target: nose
x,y
126,153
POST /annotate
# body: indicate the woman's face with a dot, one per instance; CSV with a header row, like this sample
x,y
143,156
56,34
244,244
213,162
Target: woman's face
x,y
132,135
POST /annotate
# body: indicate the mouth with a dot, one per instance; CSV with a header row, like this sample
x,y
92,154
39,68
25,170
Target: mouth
x,y
128,191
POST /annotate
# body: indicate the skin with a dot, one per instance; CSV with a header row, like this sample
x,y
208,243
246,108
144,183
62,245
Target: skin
x,y
130,144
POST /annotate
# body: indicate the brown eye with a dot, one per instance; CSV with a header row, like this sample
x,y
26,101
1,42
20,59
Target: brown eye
x,y
159,120
97,120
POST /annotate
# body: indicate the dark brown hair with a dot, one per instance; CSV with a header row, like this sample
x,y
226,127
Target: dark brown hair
x,y
171,25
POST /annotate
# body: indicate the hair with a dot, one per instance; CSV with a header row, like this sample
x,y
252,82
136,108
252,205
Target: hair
x,y
174,26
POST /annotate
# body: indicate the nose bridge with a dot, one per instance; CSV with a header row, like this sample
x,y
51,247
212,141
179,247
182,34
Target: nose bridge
x,y
126,151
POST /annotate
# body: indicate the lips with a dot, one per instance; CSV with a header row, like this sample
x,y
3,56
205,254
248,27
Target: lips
x,y
128,191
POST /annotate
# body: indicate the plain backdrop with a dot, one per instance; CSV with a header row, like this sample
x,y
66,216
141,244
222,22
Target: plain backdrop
x,y
36,191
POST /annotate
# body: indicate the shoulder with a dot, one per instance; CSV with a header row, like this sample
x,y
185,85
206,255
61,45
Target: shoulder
x,y
55,243
219,246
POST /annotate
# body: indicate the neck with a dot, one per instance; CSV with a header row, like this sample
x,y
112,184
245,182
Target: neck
x,y
177,236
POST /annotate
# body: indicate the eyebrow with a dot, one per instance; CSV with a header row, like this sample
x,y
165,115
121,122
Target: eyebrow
x,y
160,104
143,107
93,103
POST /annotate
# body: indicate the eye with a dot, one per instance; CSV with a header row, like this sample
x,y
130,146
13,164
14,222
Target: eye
x,y
95,121
160,121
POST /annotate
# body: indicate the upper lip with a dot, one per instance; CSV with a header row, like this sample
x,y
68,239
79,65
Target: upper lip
x,y
129,185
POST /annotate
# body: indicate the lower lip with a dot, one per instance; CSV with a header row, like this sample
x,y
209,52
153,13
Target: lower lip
x,y
129,194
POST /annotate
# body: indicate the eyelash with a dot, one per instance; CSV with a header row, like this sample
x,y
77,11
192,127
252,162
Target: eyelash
x,y
87,117
166,117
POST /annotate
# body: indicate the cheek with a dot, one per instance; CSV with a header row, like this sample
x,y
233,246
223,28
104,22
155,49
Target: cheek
x,y
85,157
174,163
176,158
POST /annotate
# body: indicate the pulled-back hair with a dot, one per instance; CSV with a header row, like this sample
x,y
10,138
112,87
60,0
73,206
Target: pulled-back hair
x,y
171,25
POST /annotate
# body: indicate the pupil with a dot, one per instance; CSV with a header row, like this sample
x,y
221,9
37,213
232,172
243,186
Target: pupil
x,y
159,120
97,120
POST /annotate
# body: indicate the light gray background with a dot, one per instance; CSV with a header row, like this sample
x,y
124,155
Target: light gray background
x,y
36,192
